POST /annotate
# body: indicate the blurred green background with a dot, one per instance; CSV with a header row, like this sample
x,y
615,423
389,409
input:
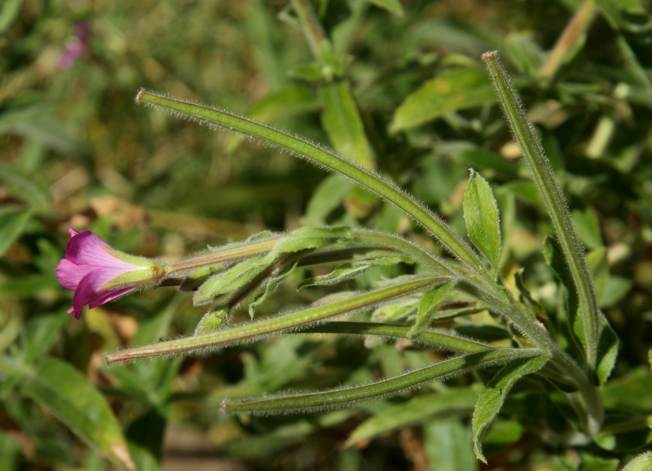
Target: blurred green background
x,y
406,93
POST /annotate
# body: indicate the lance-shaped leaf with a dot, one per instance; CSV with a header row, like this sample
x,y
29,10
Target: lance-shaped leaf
x,y
345,397
307,238
231,280
448,446
323,157
12,224
482,218
452,90
358,266
429,302
343,124
415,411
392,6
642,462
280,323
68,395
491,400
608,340
553,199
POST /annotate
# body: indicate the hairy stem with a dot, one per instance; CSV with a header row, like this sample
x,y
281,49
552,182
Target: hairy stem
x,y
312,29
428,338
344,397
276,324
324,157
225,254
553,199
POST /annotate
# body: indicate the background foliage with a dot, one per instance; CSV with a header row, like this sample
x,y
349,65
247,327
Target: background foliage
x,y
403,90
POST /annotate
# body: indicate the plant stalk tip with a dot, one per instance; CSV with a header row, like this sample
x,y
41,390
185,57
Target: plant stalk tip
x,y
490,56
139,95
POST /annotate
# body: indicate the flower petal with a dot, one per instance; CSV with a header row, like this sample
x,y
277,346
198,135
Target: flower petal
x,y
85,248
110,295
88,292
84,294
70,274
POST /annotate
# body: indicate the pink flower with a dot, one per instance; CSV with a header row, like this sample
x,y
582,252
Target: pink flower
x,y
77,46
97,273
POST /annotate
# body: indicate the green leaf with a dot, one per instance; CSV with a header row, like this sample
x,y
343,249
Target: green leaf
x,y
25,188
9,453
452,90
358,266
448,446
642,462
41,333
429,302
230,280
211,321
414,411
608,345
257,277
12,224
617,11
68,395
392,6
588,227
269,285
342,122
336,276
597,463
492,398
308,238
327,197
522,51
482,218
40,124
8,13
608,342
503,433
347,396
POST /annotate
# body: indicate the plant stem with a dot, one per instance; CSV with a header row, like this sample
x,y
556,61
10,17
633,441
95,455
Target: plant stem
x,y
225,254
429,338
536,332
568,39
554,202
325,157
344,397
276,324
369,238
312,29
